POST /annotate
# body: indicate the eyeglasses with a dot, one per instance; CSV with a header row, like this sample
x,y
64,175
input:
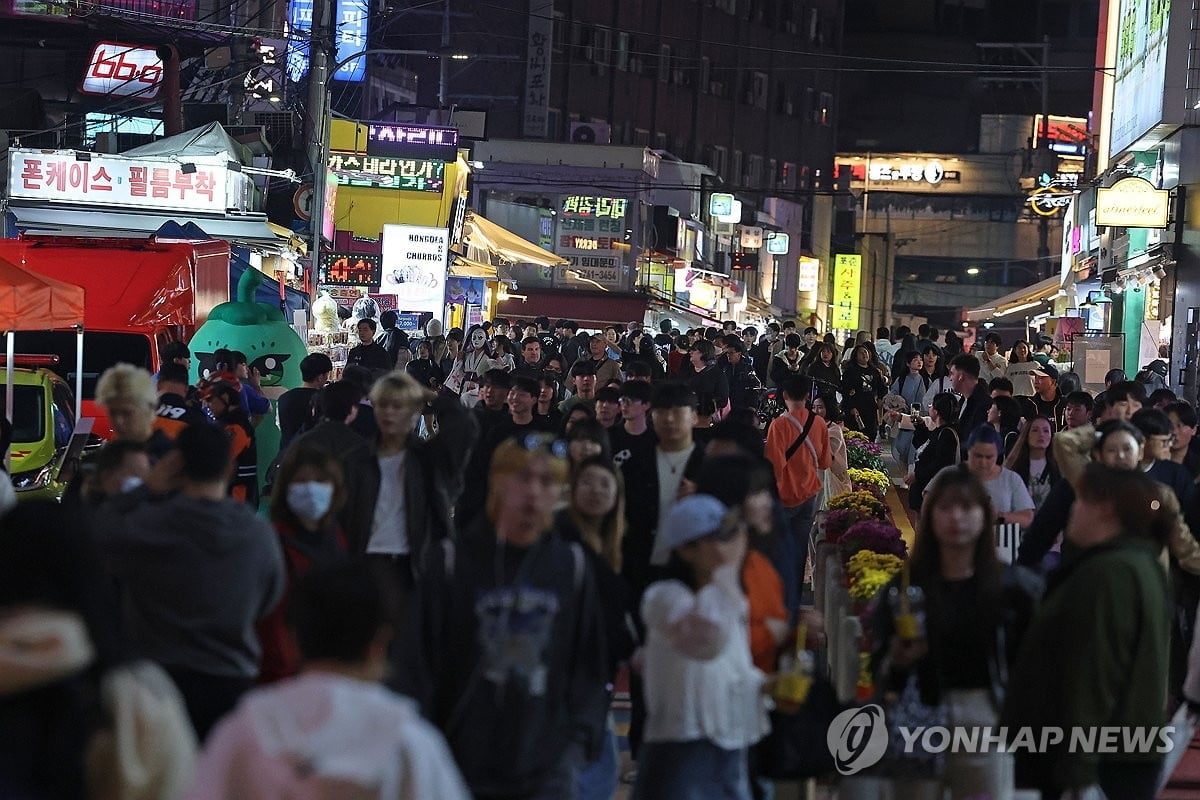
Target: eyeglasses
x,y
544,443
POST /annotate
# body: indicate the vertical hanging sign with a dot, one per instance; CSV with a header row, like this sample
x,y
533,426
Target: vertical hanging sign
x,y
847,283
538,55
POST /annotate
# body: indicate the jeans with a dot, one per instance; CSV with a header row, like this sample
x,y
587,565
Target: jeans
x,y
598,779
696,770
903,450
800,521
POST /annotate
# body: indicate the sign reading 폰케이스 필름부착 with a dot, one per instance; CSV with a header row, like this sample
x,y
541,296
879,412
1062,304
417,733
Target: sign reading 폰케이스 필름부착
x,y
59,176
414,266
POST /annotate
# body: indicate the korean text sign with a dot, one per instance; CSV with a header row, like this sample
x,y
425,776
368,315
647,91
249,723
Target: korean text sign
x,y
847,285
56,176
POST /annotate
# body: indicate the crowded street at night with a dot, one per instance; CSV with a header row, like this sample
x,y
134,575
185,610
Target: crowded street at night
x,y
659,400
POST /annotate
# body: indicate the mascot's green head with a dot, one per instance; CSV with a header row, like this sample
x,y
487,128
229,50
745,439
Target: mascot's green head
x,y
256,329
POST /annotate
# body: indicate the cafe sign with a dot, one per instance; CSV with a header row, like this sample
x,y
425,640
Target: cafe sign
x,y
1133,203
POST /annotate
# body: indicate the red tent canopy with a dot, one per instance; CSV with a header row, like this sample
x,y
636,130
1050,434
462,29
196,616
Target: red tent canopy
x,y
34,302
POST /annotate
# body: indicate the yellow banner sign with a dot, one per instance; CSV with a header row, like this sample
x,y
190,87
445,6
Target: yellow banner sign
x,y
847,286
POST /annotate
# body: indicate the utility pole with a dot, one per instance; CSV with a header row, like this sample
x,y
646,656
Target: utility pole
x,y
443,67
318,114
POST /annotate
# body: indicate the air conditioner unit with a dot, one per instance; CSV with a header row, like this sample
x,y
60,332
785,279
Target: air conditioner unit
x,y
591,132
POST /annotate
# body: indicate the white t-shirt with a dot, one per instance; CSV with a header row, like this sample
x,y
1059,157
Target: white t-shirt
x,y
1039,481
700,682
389,527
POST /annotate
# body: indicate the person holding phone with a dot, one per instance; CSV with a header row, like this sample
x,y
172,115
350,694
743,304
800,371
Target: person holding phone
x,y
912,387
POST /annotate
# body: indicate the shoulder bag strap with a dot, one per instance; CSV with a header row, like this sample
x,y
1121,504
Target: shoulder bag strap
x,y
791,451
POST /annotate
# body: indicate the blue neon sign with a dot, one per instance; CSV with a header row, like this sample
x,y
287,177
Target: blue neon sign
x,y
353,19
351,23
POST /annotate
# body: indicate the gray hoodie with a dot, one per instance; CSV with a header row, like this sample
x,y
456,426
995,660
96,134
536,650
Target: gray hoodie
x,y
194,576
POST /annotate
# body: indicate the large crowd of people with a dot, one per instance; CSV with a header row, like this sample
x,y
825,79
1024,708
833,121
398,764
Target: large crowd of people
x,y
469,539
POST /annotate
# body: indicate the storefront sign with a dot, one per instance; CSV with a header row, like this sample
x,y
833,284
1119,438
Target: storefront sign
x,y
381,172
350,269
602,271
412,141
352,26
810,274
1066,136
1141,69
60,176
171,9
752,237
264,79
720,204
778,244
1049,201
414,266
931,172
123,70
847,285
385,302
1133,203
600,207
538,59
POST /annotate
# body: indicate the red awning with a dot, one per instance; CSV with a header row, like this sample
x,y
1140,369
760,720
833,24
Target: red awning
x,y
589,309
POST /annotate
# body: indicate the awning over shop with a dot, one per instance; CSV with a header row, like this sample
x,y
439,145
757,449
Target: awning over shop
x,y
482,234
462,267
255,231
589,309
763,309
1027,299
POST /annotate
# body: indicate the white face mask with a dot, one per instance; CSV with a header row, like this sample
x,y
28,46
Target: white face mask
x,y
129,483
310,499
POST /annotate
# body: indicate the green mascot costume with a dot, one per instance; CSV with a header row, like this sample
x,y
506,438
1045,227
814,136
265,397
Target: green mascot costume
x,y
271,346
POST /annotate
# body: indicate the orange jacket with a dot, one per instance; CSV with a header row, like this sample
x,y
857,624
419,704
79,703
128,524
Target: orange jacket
x,y
764,592
797,478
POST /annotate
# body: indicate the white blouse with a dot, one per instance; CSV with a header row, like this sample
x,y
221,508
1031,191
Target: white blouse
x,y
700,682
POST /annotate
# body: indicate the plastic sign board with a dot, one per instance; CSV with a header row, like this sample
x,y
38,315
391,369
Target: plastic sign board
x,y
720,204
752,237
810,274
847,289
412,141
352,26
59,176
735,214
778,244
123,70
414,267
350,269
1133,203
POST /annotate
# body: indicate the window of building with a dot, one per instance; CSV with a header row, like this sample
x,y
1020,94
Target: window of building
x,y
641,137
825,113
705,74
626,133
554,124
771,179
783,99
735,166
716,159
664,62
601,52
814,25
561,30
756,90
753,171
787,176
810,104
660,141
621,54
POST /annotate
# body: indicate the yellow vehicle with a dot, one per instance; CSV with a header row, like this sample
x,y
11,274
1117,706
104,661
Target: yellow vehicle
x,y
43,423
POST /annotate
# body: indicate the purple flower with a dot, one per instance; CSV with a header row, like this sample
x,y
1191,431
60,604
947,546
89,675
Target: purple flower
x,y
873,535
